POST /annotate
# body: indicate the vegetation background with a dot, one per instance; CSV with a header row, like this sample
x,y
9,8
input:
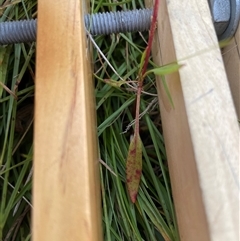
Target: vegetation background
x,y
152,217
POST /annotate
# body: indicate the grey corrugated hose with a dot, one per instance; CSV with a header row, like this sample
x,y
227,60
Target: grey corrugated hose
x,y
18,31
119,22
97,24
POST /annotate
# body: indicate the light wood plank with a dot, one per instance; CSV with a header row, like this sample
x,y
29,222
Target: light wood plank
x,y
231,57
201,132
66,184
187,195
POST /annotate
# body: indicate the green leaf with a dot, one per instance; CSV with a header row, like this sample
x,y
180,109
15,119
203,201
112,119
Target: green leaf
x,y
114,83
167,91
165,69
134,167
4,58
224,43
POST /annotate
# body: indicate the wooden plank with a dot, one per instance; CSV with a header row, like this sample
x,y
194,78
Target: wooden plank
x,y
187,195
66,185
201,133
231,57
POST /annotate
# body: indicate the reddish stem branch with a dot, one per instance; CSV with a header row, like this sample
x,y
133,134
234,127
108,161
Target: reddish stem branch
x,y
139,90
146,60
134,159
151,35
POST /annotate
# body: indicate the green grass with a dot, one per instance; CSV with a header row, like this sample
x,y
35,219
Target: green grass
x,y
152,217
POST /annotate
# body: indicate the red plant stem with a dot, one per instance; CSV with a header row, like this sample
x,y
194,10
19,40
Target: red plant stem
x,y
144,69
139,90
151,35
134,161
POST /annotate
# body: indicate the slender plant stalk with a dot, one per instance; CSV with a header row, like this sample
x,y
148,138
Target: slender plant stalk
x,y
144,69
151,36
134,158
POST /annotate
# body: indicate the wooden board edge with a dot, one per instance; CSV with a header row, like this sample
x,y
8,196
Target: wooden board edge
x,y
186,190
66,192
200,172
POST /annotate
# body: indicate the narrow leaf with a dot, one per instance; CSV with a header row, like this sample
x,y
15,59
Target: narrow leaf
x,y
167,91
224,43
119,83
166,69
134,166
4,59
114,83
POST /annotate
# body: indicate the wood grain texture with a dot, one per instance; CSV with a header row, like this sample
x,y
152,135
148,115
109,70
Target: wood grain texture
x,y
192,222
201,133
231,57
66,185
